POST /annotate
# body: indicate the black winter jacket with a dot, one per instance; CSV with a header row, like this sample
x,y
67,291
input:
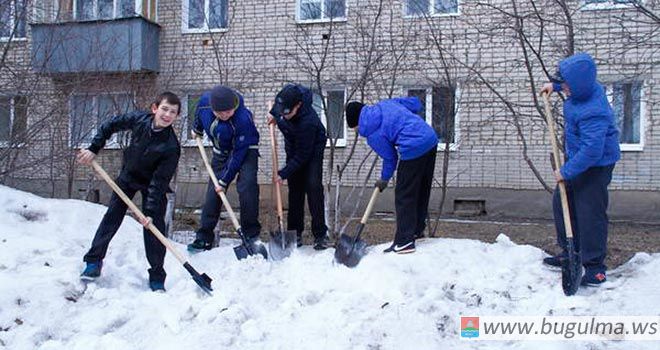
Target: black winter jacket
x,y
151,158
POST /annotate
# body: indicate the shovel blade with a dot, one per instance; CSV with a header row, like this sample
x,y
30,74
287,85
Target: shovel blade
x,y
242,251
349,251
282,244
571,270
203,280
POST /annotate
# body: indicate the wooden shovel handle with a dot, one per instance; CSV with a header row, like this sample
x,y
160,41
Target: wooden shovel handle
x,y
137,211
558,163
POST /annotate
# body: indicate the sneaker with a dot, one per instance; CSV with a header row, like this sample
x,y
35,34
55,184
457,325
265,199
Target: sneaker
x,y
556,260
199,245
92,271
401,249
321,243
593,279
157,286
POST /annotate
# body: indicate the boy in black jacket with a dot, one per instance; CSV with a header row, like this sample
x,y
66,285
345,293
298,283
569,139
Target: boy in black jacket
x,y
149,163
304,143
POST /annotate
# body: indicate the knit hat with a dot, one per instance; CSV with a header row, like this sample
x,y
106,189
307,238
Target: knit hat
x,y
353,110
285,100
223,99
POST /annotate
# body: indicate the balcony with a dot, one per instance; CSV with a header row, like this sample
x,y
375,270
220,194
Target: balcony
x,y
123,45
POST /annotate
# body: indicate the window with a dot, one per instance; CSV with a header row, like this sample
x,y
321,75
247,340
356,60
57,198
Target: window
x,y
89,111
419,8
626,100
606,4
200,16
320,10
13,19
438,105
13,118
334,119
83,10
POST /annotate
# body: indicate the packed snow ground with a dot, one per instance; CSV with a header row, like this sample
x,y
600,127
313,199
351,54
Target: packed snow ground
x,y
303,302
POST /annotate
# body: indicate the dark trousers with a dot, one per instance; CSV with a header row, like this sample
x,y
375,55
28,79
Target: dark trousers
x,y
307,180
587,201
411,195
248,197
112,220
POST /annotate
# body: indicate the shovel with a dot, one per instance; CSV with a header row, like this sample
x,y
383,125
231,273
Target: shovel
x,y
571,268
350,250
202,280
281,242
246,248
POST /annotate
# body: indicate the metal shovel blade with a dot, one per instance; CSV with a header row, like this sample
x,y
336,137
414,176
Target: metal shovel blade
x,y
571,270
242,251
349,251
203,280
282,244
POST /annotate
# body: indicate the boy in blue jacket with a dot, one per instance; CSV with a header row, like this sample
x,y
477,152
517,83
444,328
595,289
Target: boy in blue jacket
x,y
222,115
304,143
592,149
395,131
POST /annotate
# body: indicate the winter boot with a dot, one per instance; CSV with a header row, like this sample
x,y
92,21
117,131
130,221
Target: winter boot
x,y
157,286
321,243
92,271
593,278
556,260
199,245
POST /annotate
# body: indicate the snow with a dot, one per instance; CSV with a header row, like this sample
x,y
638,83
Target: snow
x,y
305,301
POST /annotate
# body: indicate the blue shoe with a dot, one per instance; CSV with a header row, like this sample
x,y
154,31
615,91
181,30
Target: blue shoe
x,y
593,278
157,286
401,249
199,245
92,271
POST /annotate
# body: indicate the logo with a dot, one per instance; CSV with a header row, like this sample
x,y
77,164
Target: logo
x,y
469,327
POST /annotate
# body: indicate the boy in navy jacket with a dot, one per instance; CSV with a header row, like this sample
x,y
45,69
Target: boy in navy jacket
x,y
395,131
592,150
304,143
222,115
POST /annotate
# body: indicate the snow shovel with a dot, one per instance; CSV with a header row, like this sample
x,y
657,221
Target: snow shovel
x,y
571,268
281,242
202,280
246,248
350,250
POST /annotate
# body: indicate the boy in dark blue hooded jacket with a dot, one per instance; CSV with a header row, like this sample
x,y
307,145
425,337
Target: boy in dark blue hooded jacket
x,y
395,131
591,149
304,143
222,115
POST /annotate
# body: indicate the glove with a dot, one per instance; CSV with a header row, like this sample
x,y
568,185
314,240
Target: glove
x,y
381,184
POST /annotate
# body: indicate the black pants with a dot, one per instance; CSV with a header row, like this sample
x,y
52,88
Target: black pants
x,y
112,220
587,201
411,195
307,180
248,198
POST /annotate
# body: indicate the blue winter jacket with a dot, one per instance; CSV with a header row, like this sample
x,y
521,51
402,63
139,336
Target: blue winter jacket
x,y
234,136
304,135
591,134
392,124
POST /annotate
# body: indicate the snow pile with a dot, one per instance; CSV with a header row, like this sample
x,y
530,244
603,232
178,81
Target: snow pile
x,y
305,301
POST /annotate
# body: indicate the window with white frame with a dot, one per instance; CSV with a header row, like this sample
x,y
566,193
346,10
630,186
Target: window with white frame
x,y
333,120
319,10
606,4
201,16
13,19
438,109
89,111
13,118
83,10
418,8
628,106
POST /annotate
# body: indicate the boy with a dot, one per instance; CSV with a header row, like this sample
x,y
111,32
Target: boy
x,y
222,114
592,150
394,130
148,165
304,143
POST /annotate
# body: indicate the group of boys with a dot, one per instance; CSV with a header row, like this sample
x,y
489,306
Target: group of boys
x,y
393,129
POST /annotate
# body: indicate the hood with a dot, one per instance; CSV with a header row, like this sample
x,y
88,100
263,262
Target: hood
x,y
579,72
370,120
